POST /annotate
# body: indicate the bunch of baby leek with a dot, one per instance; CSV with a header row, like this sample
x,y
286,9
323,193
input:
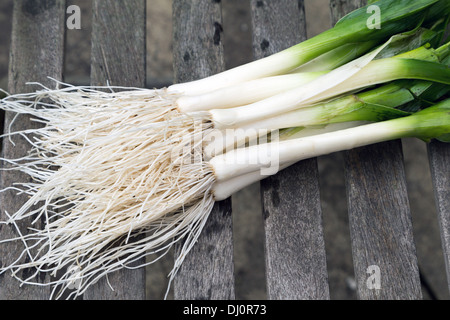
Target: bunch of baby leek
x,y
107,166
338,124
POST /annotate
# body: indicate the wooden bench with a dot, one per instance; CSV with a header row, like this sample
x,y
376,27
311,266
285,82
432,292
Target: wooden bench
x,y
296,265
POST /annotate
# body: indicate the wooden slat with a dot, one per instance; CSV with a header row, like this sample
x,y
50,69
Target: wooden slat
x,y
439,155
379,214
294,244
118,43
37,45
118,58
207,271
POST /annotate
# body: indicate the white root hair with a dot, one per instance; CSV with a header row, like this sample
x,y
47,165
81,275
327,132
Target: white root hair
x,y
117,176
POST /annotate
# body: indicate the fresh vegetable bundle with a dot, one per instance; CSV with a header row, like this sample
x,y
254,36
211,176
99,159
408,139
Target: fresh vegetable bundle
x,y
118,176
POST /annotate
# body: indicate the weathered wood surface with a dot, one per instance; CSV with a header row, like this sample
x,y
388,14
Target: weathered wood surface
x,y
439,155
294,244
37,46
207,271
118,58
379,214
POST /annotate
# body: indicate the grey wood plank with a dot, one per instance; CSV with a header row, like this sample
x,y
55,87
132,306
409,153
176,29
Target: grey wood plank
x,y
384,253
294,244
207,271
118,43
380,223
37,45
118,58
439,155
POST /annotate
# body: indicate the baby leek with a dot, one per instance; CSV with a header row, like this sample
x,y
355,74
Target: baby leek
x,y
427,124
371,105
397,16
248,92
350,77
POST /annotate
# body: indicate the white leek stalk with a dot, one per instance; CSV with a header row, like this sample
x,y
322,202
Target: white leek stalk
x,y
427,124
358,74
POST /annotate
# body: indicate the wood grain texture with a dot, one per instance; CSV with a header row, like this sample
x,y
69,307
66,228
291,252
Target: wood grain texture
x,y
207,271
118,43
294,244
37,45
340,8
379,214
380,223
439,155
118,58
197,43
